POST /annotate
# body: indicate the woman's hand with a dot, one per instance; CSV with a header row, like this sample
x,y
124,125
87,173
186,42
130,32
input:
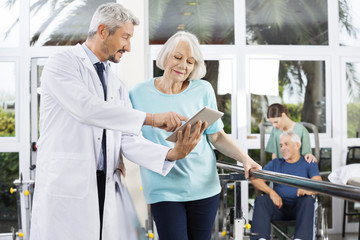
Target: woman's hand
x,y
310,158
186,142
249,166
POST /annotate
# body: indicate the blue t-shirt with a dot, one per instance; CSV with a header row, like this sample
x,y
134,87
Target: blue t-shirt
x,y
194,177
301,168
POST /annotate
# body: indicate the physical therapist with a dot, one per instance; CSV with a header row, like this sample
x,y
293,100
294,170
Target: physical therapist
x,y
86,123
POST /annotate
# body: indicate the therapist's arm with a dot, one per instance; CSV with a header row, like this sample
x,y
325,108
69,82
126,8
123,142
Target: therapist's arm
x,y
168,121
226,145
186,142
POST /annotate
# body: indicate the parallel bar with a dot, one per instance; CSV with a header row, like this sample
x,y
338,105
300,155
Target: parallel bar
x,y
327,188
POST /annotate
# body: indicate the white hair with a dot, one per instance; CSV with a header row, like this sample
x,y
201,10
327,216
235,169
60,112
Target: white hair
x,y
199,70
294,137
113,15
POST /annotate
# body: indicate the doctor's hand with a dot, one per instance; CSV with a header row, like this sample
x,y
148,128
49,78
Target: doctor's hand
x,y
186,142
168,121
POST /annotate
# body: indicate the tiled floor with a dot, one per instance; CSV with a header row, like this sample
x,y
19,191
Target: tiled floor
x,y
348,236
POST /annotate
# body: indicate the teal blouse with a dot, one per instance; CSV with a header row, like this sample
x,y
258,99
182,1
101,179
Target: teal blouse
x,y
194,177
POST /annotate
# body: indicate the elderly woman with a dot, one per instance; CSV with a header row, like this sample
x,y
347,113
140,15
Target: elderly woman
x,y
184,203
279,118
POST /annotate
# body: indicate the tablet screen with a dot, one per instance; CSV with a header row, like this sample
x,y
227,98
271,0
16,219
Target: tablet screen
x,y
205,115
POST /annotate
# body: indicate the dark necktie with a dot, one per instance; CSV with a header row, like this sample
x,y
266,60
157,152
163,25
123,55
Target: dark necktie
x,y
100,71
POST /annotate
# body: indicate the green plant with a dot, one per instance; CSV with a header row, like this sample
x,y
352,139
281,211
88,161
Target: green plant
x,y
7,123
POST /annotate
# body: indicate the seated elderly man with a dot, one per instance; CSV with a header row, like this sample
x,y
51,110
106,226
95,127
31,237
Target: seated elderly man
x,y
284,202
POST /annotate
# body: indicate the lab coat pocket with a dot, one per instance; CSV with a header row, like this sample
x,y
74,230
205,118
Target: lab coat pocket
x,y
68,175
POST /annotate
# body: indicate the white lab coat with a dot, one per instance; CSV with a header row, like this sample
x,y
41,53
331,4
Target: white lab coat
x,y
73,115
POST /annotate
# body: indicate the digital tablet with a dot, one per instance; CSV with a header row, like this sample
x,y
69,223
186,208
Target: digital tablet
x,y
205,115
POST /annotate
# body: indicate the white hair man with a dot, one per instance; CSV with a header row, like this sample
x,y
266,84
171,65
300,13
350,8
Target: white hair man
x,y
284,202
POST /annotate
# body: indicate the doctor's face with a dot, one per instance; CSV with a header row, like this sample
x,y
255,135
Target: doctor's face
x,y
115,45
180,63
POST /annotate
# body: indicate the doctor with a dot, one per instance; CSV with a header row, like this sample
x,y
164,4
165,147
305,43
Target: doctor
x,y
86,122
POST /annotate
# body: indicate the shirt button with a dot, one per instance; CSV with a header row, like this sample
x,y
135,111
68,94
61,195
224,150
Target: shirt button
x,y
98,138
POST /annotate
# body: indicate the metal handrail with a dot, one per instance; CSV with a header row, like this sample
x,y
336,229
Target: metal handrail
x,y
351,193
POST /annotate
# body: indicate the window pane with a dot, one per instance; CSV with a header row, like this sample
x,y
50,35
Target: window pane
x,y
7,99
286,22
9,171
301,89
9,29
349,22
210,20
353,99
60,22
223,95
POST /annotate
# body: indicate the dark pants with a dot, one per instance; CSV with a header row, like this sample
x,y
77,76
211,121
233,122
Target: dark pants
x,y
191,220
101,195
265,211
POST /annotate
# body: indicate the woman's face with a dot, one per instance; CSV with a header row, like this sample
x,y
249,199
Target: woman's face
x,y
180,63
278,122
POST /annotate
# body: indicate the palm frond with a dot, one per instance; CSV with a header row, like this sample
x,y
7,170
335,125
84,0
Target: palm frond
x,y
157,9
345,18
202,20
211,20
10,3
353,81
35,7
11,28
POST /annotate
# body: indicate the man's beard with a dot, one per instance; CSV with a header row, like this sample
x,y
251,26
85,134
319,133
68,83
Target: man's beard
x,y
111,57
285,157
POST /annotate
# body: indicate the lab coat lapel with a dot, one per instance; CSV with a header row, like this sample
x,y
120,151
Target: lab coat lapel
x,y
80,53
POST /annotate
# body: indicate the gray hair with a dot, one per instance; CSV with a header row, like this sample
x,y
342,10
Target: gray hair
x,y
199,68
294,137
113,15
